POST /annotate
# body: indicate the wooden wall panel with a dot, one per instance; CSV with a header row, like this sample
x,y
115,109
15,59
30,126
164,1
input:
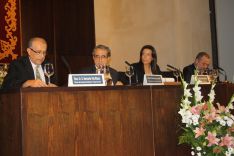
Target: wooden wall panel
x,y
68,27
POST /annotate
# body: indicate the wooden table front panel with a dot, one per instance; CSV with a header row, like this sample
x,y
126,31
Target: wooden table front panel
x,y
88,123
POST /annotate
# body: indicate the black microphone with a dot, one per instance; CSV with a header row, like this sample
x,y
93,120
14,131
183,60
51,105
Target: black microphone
x,y
174,68
219,68
66,64
127,63
225,74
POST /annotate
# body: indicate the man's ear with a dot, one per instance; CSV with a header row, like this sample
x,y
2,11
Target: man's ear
x,y
28,51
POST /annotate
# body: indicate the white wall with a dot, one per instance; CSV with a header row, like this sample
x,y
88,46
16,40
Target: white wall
x,y
225,35
178,29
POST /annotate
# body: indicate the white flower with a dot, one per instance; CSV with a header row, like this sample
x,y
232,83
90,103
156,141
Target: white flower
x,y
186,116
199,154
192,153
195,119
199,97
230,104
212,96
187,93
230,122
186,103
196,89
198,148
229,152
221,121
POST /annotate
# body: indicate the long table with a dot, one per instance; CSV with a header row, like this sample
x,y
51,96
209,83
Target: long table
x,y
95,121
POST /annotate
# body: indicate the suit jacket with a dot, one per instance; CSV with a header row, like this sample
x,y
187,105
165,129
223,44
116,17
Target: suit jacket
x,y
139,72
20,70
92,70
188,71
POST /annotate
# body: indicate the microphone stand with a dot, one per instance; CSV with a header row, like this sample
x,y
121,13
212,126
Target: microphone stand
x,y
224,73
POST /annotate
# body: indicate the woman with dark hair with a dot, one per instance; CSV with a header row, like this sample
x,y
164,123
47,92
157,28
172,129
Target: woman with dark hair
x,y
146,65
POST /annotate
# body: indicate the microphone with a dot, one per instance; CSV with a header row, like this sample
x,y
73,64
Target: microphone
x,y
66,64
225,74
220,68
127,63
174,68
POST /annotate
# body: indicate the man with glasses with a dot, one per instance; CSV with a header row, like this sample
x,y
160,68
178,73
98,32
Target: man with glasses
x,y
101,57
201,62
27,71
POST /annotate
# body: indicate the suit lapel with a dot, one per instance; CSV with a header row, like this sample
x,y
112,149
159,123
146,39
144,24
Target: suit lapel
x,y
29,69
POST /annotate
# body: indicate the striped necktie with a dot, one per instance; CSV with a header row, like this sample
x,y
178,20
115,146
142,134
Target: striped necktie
x,y
38,77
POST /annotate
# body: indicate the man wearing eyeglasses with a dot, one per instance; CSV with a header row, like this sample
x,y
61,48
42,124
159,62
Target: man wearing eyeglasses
x,y
101,57
201,62
27,71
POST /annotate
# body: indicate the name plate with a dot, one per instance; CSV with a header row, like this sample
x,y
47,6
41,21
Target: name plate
x,y
81,80
204,79
153,80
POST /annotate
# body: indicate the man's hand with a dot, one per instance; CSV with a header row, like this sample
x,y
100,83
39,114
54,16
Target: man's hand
x,y
34,83
52,85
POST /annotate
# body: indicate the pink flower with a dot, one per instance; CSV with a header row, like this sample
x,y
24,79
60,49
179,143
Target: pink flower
x,y
205,106
211,115
212,139
196,109
227,141
199,131
221,109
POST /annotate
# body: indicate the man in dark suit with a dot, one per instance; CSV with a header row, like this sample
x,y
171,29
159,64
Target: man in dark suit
x,y
201,62
101,58
27,71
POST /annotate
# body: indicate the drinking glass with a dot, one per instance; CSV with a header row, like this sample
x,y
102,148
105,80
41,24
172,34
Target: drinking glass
x,y
176,73
129,73
100,69
48,70
200,71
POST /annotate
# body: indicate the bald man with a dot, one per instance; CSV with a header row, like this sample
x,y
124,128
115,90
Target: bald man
x,y
27,71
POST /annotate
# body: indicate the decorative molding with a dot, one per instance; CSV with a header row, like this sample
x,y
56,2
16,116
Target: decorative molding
x,y
9,45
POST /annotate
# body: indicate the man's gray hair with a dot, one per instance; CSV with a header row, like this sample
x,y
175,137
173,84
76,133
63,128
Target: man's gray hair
x,y
201,54
103,47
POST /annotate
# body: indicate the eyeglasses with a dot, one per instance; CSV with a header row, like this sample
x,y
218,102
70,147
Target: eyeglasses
x,y
100,56
38,53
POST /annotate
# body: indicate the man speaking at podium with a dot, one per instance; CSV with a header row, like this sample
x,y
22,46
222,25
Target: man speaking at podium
x,y
27,71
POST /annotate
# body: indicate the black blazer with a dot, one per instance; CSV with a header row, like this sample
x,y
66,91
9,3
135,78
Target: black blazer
x,y
139,72
92,70
20,70
188,71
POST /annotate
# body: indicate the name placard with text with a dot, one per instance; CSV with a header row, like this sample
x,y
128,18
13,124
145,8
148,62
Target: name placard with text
x,y
204,79
80,80
153,80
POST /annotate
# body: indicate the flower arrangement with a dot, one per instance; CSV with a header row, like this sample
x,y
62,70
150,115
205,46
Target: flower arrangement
x,y
209,128
3,73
